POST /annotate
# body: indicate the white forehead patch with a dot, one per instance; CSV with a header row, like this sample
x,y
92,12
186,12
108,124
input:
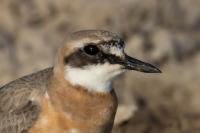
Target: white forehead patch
x,y
116,51
97,78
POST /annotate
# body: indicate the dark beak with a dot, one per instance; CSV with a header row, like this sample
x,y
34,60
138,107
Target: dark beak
x,y
134,64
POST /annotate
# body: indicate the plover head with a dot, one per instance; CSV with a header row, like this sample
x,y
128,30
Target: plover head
x,y
92,58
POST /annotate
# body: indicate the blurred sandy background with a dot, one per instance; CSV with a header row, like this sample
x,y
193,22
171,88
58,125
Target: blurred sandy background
x,y
163,32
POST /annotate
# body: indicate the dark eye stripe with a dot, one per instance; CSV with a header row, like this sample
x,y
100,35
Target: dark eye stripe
x,y
79,59
90,54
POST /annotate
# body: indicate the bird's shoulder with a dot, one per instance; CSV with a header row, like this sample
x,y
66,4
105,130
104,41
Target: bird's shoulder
x,y
18,108
18,92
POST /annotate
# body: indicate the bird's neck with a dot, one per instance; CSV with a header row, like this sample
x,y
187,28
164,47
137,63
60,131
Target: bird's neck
x,y
95,108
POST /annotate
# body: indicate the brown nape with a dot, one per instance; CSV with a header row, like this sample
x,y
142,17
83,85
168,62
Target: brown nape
x,y
80,59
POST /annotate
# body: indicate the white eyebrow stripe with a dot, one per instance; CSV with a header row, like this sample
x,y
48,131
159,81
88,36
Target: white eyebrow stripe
x,y
84,42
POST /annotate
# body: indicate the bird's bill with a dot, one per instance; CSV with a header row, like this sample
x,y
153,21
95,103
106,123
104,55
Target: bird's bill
x,y
135,64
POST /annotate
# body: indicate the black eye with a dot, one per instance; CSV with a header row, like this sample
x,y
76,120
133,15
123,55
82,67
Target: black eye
x,y
91,49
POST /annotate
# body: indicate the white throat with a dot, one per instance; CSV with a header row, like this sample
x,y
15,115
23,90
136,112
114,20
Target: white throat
x,y
97,78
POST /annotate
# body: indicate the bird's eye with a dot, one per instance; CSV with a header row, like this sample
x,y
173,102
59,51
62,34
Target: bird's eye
x,y
91,49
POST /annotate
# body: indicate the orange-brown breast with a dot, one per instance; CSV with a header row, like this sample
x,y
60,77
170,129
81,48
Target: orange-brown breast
x,y
73,109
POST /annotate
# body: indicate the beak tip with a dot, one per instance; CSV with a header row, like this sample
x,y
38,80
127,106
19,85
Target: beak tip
x,y
153,69
158,70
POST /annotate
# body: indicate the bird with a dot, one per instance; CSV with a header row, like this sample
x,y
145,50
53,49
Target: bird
x,y
76,94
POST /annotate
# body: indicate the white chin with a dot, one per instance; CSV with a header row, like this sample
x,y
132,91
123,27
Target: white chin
x,y
97,78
